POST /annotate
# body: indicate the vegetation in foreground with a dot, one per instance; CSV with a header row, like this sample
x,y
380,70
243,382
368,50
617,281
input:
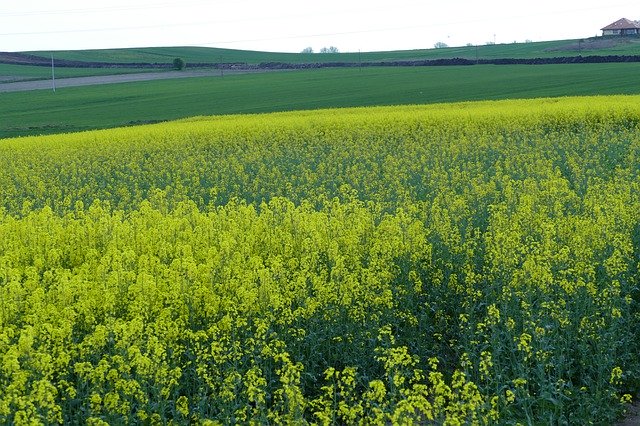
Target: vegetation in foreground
x,y
460,264
87,108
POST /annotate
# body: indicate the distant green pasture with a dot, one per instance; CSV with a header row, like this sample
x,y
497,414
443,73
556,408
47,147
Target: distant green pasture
x,y
24,72
94,107
593,46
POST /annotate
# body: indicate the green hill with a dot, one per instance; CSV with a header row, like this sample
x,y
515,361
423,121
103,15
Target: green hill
x,y
590,46
85,108
93,107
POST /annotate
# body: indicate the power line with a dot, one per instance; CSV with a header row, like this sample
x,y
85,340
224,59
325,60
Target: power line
x,y
227,21
108,8
138,27
90,30
263,19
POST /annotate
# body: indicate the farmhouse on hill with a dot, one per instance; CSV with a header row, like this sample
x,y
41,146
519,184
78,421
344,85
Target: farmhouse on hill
x,y
622,26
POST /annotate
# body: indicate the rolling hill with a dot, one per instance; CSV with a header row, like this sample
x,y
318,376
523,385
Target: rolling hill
x,y
598,46
97,107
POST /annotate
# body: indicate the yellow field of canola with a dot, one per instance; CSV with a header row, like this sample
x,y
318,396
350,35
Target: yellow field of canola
x,y
471,263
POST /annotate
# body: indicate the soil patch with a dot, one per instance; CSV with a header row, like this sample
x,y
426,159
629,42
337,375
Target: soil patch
x,y
22,59
633,416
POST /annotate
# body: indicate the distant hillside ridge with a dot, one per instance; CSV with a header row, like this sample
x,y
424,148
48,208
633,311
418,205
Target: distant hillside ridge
x,y
13,58
33,60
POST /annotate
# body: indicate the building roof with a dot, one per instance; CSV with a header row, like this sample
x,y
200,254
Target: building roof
x,y
622,24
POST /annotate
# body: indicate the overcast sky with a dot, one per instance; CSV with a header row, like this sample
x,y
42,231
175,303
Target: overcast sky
x,y
290,26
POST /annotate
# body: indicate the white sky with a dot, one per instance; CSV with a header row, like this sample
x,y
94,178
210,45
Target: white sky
x,y
290,26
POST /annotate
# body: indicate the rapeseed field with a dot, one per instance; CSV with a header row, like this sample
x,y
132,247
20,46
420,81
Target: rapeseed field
x,y
470,263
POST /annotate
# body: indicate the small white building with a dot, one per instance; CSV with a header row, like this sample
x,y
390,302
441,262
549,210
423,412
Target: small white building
x,y
622,26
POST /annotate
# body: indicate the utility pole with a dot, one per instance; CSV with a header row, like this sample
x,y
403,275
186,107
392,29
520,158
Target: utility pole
x,y
53,75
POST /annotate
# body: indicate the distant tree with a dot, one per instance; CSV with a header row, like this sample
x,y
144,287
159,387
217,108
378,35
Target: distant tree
x,y
470,44
330,49
307,50
178,64
440,45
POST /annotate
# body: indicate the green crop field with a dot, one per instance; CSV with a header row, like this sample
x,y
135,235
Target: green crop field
x,y
85,108
591,46
9,73
597,46
460,264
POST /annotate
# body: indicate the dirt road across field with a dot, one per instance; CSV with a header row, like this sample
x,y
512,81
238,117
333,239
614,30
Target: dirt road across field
x,y
21,86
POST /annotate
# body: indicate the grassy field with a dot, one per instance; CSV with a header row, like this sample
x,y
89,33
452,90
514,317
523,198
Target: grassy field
x,y
84,108
9,73
593,46
165,55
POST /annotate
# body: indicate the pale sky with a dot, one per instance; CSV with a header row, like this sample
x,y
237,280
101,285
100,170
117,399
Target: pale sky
x,y
290,26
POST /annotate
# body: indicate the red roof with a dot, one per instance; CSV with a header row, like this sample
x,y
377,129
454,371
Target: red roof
x,y
622,24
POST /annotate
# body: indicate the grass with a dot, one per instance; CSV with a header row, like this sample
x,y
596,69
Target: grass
x,y
9,73
592,46
166,55
95,107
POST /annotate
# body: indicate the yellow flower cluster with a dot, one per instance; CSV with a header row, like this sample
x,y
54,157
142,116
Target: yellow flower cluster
x,y
458,264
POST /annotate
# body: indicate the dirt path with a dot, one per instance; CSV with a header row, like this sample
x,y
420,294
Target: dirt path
x,y
21,86
633,416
